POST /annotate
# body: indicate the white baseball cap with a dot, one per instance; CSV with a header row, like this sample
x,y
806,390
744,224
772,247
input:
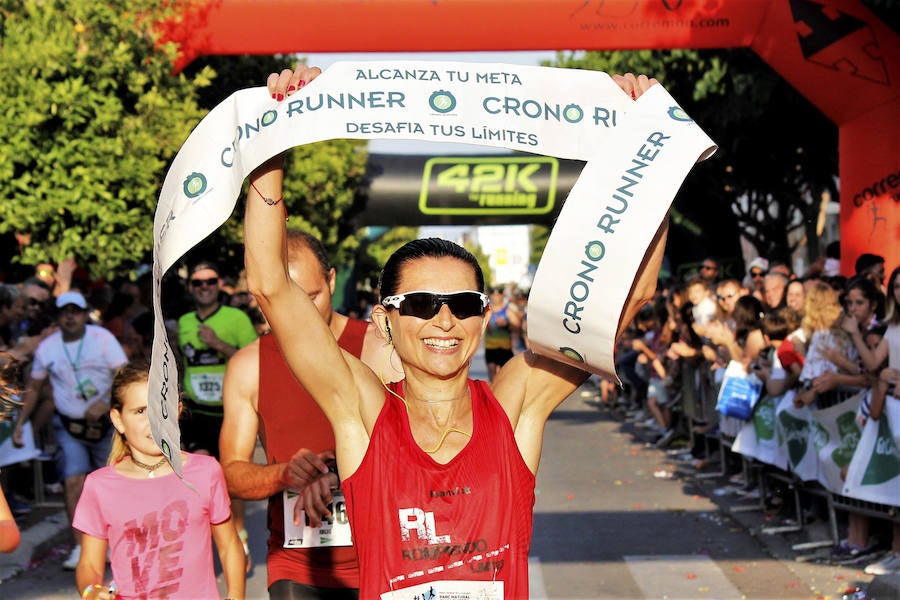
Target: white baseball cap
x,y
71,298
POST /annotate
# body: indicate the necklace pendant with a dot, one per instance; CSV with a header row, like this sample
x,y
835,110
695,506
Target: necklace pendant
x,y
151,475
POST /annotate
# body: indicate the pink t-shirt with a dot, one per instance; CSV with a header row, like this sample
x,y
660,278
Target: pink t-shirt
x,y
158,529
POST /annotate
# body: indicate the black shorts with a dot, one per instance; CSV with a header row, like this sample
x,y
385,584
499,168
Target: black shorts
x,y
497,356
200,432
291,590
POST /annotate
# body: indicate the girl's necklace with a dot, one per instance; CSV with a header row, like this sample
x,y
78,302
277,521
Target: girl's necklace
x,y
149,468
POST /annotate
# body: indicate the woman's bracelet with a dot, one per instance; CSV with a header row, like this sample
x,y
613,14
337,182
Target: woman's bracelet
x,y
270,201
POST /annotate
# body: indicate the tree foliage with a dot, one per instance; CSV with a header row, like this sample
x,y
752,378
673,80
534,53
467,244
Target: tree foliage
x,y
92,113
773,179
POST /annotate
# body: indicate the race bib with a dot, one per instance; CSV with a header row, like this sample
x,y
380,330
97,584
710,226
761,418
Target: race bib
x,y
207,387
334,533
449,590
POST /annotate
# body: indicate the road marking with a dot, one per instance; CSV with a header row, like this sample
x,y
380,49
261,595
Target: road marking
x,y
536,589
680,576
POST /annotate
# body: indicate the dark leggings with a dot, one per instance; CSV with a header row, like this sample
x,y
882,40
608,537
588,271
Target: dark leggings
x,y
284,589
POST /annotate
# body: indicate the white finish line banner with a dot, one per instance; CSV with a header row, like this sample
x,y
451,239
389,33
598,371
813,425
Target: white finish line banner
x,y
637,154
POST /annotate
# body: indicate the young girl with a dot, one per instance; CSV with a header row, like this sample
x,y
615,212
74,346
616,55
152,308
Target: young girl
x,y
157,526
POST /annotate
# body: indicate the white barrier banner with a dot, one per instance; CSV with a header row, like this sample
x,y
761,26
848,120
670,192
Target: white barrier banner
x,y
874,471
835,435
637,155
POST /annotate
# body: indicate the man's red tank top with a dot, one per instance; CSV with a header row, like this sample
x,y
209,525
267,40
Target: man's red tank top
x,y
415,520
289,420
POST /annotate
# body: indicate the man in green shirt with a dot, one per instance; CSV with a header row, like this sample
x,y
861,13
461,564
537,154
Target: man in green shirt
x,y
207,337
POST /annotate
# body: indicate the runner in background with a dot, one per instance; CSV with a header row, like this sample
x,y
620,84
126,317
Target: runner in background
x,y
498,337
262,398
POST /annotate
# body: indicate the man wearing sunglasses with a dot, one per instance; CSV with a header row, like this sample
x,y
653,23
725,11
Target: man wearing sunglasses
x,y
756,277
208,336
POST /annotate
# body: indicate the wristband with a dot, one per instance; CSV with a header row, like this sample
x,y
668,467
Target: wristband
x,y
91,590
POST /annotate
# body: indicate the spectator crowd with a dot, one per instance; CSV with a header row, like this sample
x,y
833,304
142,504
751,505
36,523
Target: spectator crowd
x,y
818,354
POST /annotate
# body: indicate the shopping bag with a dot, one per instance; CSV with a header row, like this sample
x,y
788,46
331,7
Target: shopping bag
x,y
739,393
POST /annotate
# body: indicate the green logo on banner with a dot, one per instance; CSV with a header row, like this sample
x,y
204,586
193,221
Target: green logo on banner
x,y
764,419
572,353
194,185
796,434
849,432
885,462
442,101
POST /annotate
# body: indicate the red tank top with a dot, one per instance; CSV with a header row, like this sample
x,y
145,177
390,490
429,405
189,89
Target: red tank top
x,y
289,420
415,520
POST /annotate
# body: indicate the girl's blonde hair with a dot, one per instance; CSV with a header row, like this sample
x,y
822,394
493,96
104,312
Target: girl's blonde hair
x,y
821,307
137,371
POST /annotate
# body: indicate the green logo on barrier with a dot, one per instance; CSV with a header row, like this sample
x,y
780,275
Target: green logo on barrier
x,y
194,185
442,101
764,419
499,185
885,462
796,434
850,433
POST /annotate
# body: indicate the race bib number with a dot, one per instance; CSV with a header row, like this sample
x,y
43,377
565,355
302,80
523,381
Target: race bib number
x,y
207,387
449,590
334,533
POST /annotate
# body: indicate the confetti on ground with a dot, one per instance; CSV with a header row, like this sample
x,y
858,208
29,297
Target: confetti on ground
x,y
790,584
692,576
703,589
738,569
618,482
637,506
571,497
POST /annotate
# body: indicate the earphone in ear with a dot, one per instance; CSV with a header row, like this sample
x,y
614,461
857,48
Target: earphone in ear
x,y
387,329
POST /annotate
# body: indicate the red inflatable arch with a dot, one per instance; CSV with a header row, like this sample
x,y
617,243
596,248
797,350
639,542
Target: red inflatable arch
x,y
839,55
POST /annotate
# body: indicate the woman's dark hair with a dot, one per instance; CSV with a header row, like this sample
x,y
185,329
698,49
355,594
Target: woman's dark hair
x,y
425,248
747,314
869,291
892,315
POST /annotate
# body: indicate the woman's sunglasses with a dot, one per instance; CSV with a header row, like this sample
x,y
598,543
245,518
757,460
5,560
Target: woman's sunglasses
x,y
424,305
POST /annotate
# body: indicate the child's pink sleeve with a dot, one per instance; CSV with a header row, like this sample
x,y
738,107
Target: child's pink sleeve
x,y
88,515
